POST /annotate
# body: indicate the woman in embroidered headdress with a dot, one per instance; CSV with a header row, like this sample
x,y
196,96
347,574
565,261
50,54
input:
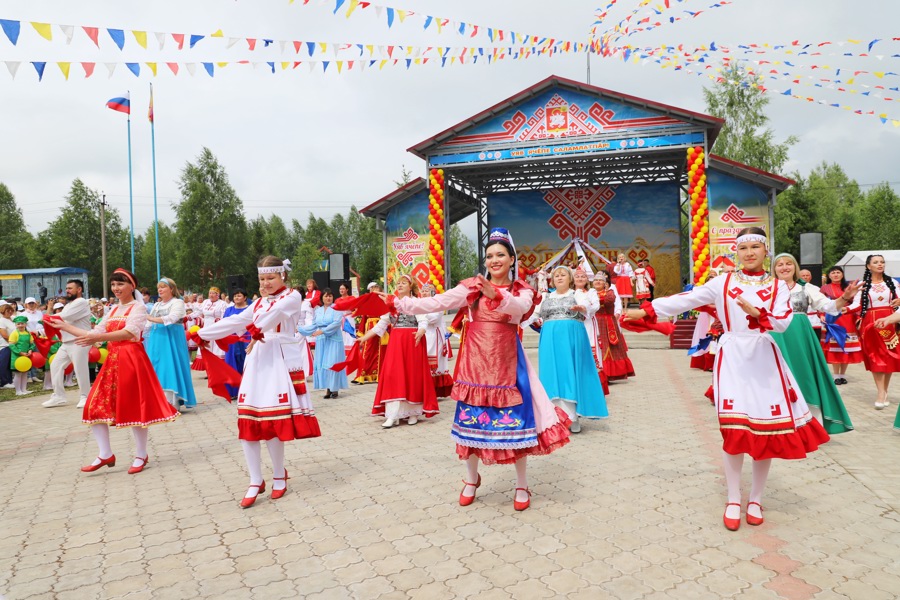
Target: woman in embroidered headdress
x,y
126,393
327,331
567,369
273,404
613,349
877,300
801,349
760,407
406,390
843,349
624,279
167,346
503,414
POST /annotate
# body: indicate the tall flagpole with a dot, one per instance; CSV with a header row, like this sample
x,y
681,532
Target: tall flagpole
x,y
130,185
153,153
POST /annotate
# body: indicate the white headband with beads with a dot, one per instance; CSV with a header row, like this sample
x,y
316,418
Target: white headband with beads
x,y
751,237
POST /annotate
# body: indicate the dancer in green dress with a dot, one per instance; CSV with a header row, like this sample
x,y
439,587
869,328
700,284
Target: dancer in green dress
x,y
801,349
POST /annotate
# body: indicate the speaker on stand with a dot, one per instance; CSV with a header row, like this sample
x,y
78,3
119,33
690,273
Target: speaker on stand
x,y
235,282
322,280
811,255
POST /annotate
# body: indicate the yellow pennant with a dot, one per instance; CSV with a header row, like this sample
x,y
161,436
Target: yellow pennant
x,y
879,74
152,67
401,14
323,46
141,38
218,33
340,65
381,64
285,65
221,65
64,67
371,49
352,7
43,30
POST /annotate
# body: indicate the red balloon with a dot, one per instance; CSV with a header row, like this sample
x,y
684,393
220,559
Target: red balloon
x,y
38,360
94,353
69,369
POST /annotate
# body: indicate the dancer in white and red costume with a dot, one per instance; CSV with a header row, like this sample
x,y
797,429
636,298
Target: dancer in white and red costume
x,y
273,404
439,350
760,407
213,309
503,414
624,279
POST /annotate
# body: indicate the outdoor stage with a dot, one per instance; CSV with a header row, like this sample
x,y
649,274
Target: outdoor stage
x,y
563,160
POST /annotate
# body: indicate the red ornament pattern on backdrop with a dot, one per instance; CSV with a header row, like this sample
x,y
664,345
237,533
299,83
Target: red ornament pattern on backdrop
x,y
579,211
436,245
699,203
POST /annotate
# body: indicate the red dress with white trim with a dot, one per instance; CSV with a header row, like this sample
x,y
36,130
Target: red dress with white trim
x,y
760,407
614,350
851,353
439,354
126,392
272,400
624,275
405,376
880,347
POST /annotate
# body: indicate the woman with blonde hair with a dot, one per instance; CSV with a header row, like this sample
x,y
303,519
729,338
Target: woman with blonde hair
x,y
167,346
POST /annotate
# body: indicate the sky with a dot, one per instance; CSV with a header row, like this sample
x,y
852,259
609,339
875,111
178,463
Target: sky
x,y
297,141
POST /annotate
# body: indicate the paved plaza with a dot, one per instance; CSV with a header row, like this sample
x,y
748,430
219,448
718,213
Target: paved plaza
x,y
632,508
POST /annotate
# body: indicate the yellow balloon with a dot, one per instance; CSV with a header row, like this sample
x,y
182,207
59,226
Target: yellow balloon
x,y
103,354
194,329
23,364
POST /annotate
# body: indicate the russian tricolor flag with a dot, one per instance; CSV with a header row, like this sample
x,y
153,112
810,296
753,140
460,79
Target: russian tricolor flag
x,y
120,104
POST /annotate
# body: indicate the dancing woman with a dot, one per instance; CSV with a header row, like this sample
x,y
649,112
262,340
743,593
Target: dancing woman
x,y
167,346
272,401
503,414
327,330
880,346
236,354
126,393
850,353
760,407
567,369
613,349
801,349
406,390
624,279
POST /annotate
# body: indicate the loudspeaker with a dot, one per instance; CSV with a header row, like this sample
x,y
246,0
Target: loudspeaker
x,y
322,280
811,248
235,282
339,266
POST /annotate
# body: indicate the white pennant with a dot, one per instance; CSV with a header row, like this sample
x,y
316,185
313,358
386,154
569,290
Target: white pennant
x,y
13,66
232,41
378,10
111,67
161,38
334,49
282,44
68,31
191,67
312,65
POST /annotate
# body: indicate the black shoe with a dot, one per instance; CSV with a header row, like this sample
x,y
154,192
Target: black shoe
x,y
334,394
843,381
327,395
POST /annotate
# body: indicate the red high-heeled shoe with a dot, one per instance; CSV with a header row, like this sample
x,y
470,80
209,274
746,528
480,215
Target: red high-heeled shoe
x,y
104,462
276,494
247,502
731,524
522,505
467,500
751,520
132,470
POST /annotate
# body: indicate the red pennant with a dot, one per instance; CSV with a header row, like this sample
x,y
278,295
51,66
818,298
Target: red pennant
x,y
88,68
179,39
252,43
92,33
297,46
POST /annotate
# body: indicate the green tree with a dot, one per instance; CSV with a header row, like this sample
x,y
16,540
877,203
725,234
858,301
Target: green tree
x,y
836,199
366,247
210,225
145,256
71,240
463,255
17,241
878,212
794,214
738,98
405,177
279,240
306,260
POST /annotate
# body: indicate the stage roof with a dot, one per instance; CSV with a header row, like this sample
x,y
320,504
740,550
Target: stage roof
x,y
562,133
461,205
751,174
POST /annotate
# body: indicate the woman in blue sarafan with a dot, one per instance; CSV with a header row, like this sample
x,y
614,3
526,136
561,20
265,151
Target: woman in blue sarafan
x,y
166,346
237,351
327,329
567,368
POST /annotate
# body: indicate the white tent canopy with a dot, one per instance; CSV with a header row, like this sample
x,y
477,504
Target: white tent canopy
x,y
854,263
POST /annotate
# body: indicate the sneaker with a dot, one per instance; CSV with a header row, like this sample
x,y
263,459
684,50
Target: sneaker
x,y
8,386
54,401
81,402
25,393
37,380
413,420
575,427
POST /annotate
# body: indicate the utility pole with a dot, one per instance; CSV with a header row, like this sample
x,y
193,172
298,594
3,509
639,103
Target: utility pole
x,y
103,245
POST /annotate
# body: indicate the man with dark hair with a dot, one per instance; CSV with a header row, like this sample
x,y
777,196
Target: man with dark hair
x,y
77,313
42,292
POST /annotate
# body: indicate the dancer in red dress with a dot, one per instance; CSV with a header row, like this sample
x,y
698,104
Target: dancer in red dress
x,y
850,353
624,279
405,389
877,300
613,349
126,393
503,414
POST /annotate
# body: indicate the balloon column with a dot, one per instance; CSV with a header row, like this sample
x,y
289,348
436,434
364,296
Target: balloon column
x,y
699,214
436,245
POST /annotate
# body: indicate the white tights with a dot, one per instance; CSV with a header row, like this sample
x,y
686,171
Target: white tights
x,y
104,449
733,464
253,455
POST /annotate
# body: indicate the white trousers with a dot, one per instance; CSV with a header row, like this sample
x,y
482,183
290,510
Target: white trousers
x,y
70,353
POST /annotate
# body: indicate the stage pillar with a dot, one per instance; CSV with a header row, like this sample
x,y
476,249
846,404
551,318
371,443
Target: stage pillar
x,y
437,246
699,202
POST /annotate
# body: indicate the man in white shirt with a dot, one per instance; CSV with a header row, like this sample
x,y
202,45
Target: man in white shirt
x,y
35,327
77,313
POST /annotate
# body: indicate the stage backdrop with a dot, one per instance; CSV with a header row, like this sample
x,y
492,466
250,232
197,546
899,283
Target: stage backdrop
x,y
640,220
733,205
407,234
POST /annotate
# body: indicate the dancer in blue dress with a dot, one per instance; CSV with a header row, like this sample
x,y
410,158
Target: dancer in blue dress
x,y
167,348
237,351
327,328
567,368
